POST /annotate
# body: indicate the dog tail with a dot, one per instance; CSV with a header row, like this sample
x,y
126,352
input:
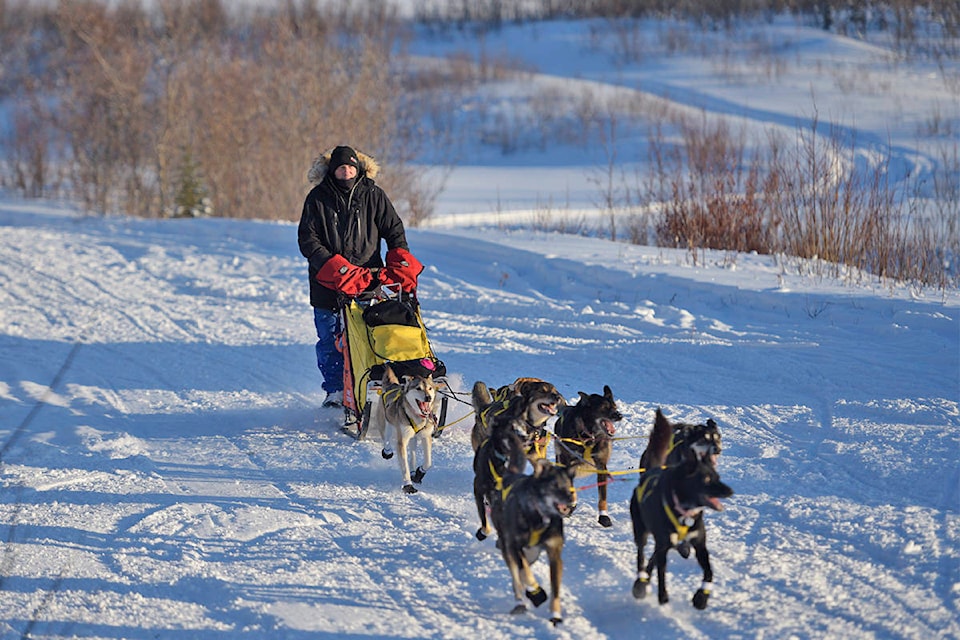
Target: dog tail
x,y
659,444
481,396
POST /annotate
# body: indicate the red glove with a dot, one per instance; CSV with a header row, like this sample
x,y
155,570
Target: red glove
x,y
401,268
339,275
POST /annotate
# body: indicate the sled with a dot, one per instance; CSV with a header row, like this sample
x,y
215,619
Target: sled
x,y
383,326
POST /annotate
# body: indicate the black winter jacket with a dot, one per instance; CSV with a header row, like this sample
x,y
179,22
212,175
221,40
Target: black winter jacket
x,y
350,224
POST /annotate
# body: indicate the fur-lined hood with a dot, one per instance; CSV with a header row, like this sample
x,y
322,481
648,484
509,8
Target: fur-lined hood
x,y
368,166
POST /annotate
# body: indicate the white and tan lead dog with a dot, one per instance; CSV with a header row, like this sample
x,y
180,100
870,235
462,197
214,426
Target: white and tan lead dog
x,y
408,407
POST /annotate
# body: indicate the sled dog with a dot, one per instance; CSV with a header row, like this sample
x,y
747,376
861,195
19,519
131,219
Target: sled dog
x,y
499,455
584,434
700,440
406,416
534,507
539,401
668,504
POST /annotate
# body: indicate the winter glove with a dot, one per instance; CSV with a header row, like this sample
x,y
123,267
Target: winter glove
x,y
401,268
338,274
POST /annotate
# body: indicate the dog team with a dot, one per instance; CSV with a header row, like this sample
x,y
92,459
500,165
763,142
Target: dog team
x,y
524,498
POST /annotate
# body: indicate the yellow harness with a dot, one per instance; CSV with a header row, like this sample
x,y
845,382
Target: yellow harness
x,y
643,492
535,537
395,394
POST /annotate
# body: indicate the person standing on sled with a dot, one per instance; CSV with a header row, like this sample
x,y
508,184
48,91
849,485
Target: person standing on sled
x,y
345,217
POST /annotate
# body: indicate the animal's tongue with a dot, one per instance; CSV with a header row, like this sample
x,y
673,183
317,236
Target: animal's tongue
x,y
424,407
548,408
715,504
608,425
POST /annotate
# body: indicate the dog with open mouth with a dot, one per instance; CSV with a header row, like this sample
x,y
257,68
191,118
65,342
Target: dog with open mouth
x,y
539,401
585,437
406,416
668,504
534,508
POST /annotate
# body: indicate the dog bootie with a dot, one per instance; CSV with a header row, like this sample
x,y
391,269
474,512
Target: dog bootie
x,y
537,596
386,454
409,489
641,585
701,596
418,475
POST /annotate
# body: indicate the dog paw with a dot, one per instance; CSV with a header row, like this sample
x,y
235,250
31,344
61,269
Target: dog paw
x,y
481,535
556,620
700,599
640,587
684,549
663,598
386,455
520,608
605,521
537,596
409,488
418,475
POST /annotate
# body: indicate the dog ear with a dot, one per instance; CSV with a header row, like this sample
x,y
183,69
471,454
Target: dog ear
x,y
607,393
711,423
389,375
539,466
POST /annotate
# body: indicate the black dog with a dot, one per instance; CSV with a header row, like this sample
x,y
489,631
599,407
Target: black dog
x,y
585,437
703,440
668,503
499,455
534,507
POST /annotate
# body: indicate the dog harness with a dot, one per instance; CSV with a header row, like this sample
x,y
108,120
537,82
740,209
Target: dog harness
x,y
394,394
497,479
535,535
682,528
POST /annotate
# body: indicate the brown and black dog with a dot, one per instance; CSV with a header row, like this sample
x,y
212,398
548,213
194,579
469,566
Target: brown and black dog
x,y
502,454
534,507
539,401
585,437
668,503
701,440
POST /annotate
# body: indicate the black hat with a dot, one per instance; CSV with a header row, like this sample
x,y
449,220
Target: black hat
x,y
343,155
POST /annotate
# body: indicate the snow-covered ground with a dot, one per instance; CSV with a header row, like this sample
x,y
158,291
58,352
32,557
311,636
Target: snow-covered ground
x,y
166,471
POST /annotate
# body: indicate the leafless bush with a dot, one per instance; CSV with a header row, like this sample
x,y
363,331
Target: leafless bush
x,y
718,200
251,101
820,201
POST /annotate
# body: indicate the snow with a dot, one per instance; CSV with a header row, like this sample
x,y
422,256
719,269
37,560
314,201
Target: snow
x,y
167,471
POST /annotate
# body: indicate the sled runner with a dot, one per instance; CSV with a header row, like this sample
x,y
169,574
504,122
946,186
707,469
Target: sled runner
x,y
382,326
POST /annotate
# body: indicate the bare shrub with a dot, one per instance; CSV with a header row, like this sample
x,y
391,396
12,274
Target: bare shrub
x,y
717,198
107,107
251,103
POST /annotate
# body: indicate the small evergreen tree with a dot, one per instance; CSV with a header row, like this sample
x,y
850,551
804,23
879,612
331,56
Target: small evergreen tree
x,y
192,199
